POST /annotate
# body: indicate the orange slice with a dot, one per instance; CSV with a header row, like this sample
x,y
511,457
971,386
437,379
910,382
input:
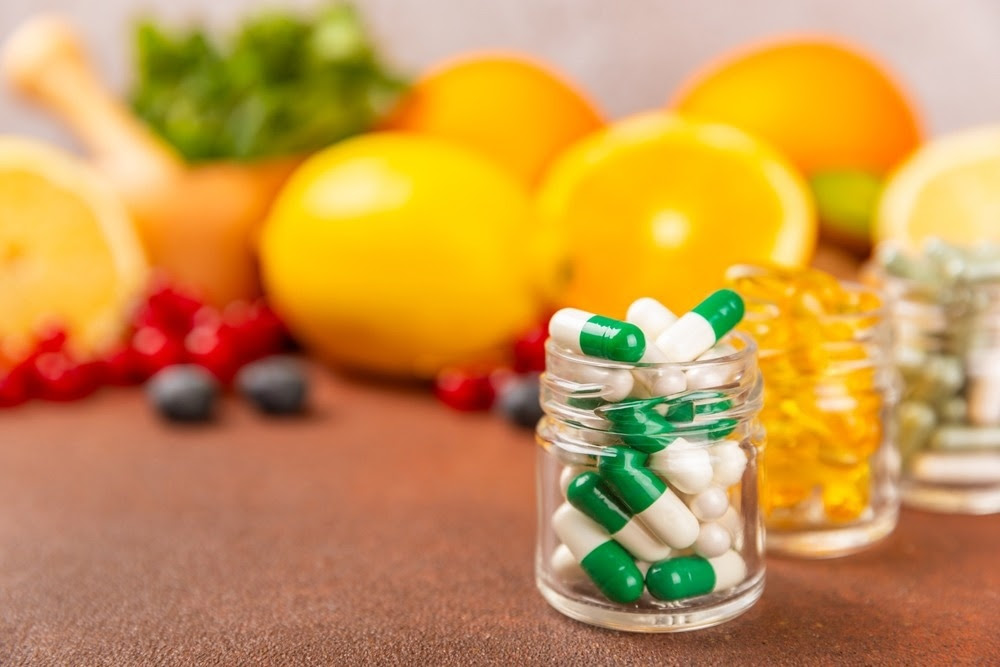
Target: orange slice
x,y
68,252
949,189
658,205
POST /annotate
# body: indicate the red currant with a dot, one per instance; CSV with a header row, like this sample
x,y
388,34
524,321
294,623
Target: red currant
x,y
169,309
152,350
120,367
257,330
211,347
465,390
14,387
529,349
58,377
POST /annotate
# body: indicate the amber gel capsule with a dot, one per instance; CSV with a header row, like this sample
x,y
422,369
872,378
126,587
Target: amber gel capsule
x,y
597,336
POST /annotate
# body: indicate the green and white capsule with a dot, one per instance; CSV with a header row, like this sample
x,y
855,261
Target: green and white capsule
x,y
648,498
697,331
690,576
605,561
588,493
597,336
651,316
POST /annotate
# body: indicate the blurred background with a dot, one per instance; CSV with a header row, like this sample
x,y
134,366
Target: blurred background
x,y
629,56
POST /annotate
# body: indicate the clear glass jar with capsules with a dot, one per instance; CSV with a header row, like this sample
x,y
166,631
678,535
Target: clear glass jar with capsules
x,y
647,482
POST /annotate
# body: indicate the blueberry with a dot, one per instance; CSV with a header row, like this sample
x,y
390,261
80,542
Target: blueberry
x,y
183,392
276,385
518,401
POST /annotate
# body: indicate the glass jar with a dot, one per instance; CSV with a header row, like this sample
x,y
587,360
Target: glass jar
x,y
830,481
945,312
647,489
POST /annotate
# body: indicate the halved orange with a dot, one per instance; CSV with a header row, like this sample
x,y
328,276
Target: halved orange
x,y
69,255
659,205
949,189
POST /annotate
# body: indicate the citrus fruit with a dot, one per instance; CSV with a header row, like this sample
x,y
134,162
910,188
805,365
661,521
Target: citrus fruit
x,y
399,254
949,189
659,205
514,109
832,108
68,253
824,104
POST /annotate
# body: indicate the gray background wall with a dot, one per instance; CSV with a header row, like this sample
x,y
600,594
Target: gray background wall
x,y
629,54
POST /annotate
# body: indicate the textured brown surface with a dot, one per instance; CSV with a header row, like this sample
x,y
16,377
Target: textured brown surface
x,y
386,529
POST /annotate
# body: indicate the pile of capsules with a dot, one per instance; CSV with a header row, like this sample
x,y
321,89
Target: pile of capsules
x,y
819,355
654,512
946,324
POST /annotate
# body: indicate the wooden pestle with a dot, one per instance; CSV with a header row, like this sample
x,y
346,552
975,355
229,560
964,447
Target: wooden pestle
x,y
196,221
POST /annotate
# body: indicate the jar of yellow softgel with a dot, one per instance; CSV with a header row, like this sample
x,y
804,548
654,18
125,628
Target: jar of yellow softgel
x,y
945,310
831,476
647,468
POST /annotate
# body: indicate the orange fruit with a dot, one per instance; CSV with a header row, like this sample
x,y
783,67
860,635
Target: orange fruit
x,y
509,107
659,205
949,189
825,104
68,252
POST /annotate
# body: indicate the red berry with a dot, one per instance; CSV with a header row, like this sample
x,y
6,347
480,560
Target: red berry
x,y
58,377
257,330
13,387
529,349
468,391
50,340
169,309
120,367
211,347
153,350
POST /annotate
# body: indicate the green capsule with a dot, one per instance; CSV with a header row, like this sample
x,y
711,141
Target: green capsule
x,y
597,336
682,577
614,572
639,424
636,485
723,309
589,494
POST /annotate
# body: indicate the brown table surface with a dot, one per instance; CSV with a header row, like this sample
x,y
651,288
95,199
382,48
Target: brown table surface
x,y
386,529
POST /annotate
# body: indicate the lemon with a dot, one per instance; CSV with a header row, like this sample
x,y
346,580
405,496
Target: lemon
x,y
659,205
399,254
69,255
949,188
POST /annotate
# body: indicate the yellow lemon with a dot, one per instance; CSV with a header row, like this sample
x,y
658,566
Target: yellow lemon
x,y
399,254
68,252
949,188
659,205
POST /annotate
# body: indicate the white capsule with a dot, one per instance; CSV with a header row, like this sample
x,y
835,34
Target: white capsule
x,y
713,540
730,570
733,522
669,519
686,466
638,542
651,316
728,463
964,437
656,382
710,504
709,376
956,468
577,531
566,568
984,388
616,383
689,337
